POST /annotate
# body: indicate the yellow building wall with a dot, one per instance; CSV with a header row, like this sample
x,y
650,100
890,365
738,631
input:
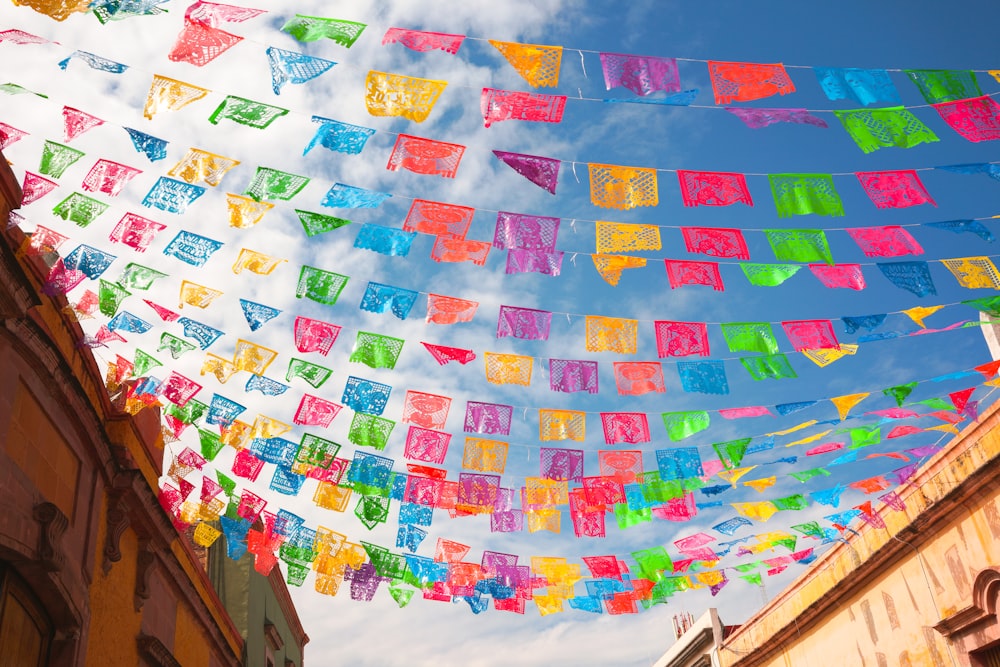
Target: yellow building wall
x,y
190,644
889,619
114,623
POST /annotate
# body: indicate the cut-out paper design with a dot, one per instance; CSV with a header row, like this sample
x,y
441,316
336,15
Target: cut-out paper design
x,y
680,273
610,267
21,37
420,41
57,158
622,187
317,223
449,249
679,463
250,356
756,119
375,350
94,62
444,354
109,177
542,171
197,295
294,67
398,95
172,196
704,377
825,357
270,183
974,272
562,425
152,147
199,166
977,119
319,285
802,194
743,82
611,334
508,368
799,245
317,375
34,187
314,335
768,275
337,136
498,105
80,209
316,411
76,122
438,219
627,427
634,378
449,310
681,339
489,418
570,375
205,335
642,75
245,212
615,237
917,314
863,86
529,232
912,276
166,94
539,65
943,85
425,156
890,241
379,298
715,242
894,189
873,129
257,314
774,366
811,334
561,465
707,188
192,248
58,10
10,134
384,240
521,260
363,395
484,455
349,196
426,410
524,323
313,28
200,43
426,445
848,276
990,169
750,337
256,262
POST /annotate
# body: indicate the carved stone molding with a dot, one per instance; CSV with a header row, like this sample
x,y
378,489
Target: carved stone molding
x,y
117,521
983,609
153,650
53,524
146,559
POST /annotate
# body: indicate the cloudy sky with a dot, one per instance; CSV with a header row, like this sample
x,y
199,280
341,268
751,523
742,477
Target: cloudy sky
x,y
700,137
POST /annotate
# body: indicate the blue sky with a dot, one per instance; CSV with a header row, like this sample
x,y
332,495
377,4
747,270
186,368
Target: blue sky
x,y
667,138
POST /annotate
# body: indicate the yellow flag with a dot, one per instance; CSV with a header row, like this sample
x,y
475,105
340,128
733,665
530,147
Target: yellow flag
x,y
995,73
624,237
811,438
541,491
611,266
611,334
508,368
846,402
59,10
711,577
205,535
200,166
268,427
826,356
546,519
759,511
548,604
761,485
947,428
211,510
918,313
733,475
197,295
245,212
562,425
622,187
794,428
237,435
973,272
221,368
539,65
398,95
166,94
256,262
252,357
484,455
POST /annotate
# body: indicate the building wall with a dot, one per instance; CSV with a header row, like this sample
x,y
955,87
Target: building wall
x,y
920,592
108,578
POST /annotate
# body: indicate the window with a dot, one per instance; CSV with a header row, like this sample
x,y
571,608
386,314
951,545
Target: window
x,y
25,630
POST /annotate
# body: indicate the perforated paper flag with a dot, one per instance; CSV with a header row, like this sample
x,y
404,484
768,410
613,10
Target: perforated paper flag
x,y
539,65
192,248
524,323
498,105
319,285
256,262
769,366
680,273
749,337
974,272
34,187
56,159
742,82
757,118
80,209
508,368
379,298
811,334
942,85
873,129
611,334
484,455
109,177
706,188
642,75
425,156
570,375
349,196
438,219
977,119
864,86
76,122
449,310
337,136
542,171
912,276
639,377
270,183
152,147
199,43
384,240
894,189
715,242
849,276
199,166
376,350
802,194
610,267
422,41
166,94
172,196
312,28
799,245
622,187
706,377
314,335
399,95
562,425
294,67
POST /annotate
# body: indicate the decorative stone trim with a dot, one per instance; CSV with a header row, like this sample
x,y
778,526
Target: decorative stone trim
x,y
53,525
983,609
146,559
273,637
153,650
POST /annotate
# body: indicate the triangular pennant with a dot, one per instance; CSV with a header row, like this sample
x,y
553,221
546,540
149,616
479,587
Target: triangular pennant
x,y
539,65
918,313
542,171
76,122
166,94
292,67
846,402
